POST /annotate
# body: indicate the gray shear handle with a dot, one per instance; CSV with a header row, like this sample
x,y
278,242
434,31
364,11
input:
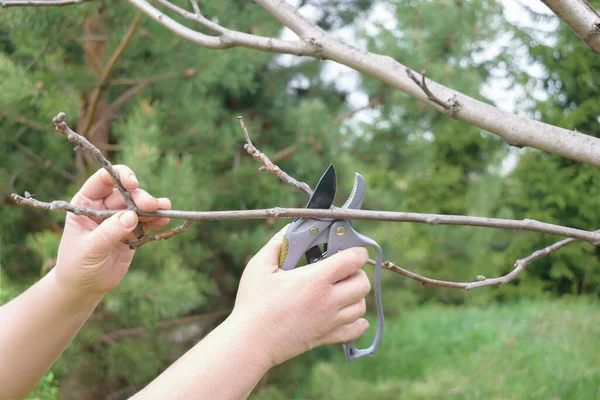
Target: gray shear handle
x,y
342,236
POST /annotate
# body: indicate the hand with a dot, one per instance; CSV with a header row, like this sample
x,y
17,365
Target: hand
x,y
290,312
92,258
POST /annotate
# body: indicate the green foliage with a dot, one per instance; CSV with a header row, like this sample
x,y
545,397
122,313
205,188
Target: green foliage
x,y
543,349
181,136
47,389
551,188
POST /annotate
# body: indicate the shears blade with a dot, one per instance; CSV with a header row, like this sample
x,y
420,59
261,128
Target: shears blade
x,y
322,197
325,191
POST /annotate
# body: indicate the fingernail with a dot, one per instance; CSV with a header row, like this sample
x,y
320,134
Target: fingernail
x,y
128,219
133,178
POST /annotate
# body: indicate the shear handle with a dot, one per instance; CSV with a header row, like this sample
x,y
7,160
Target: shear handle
x,y
342,236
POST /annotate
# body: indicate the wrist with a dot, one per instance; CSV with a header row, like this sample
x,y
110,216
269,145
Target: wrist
x,y
73,295
257,339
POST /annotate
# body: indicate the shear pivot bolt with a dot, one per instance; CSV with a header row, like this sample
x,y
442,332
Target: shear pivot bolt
x,y
314,231
340,230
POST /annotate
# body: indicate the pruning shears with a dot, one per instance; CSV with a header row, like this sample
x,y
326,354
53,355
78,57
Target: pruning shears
x,y
305,235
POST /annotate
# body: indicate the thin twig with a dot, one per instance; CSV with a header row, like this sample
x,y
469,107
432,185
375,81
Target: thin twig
x,y
372,103
23,121
39,160
83,143
115,106
29,3
452,106
134,244
334,213
105,74
520,266
268,165
187,73
195,7
343,214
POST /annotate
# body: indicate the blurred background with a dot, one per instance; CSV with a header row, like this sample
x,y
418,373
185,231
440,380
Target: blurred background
x,y
168,109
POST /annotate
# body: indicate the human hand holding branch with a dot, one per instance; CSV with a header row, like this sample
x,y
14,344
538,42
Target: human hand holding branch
x,y
268,165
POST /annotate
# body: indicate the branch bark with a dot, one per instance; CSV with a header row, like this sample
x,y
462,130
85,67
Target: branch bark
x,y
315,42
33,3
582,18
519,267
106,72
83,143
336,213
227,39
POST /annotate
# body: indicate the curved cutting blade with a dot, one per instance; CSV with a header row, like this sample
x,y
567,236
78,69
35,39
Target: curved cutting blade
x,y
358,193
325,190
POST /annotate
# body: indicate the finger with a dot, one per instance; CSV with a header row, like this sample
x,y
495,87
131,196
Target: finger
x,y
155,224
269,254
111,231
142,199
350,290
100,185
351,313
342,264
346,333
164,203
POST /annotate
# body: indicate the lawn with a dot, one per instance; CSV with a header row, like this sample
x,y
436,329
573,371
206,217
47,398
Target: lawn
x,y
527,350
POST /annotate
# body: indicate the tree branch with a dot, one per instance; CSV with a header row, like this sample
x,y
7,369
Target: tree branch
x,y
225,40
29,3
335,213
83,143
315,42
451,107
267,165
581,18
105,74
519,265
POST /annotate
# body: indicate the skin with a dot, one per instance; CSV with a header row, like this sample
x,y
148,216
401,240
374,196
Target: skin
x,y
277,315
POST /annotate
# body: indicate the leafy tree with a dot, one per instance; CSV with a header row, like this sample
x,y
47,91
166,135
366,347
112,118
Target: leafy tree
x,y
180,134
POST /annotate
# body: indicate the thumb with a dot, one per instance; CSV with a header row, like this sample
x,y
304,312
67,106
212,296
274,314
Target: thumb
x,y
268,256
112,231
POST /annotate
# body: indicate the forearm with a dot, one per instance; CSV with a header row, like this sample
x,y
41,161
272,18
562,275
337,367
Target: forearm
x,y
226,364
36,327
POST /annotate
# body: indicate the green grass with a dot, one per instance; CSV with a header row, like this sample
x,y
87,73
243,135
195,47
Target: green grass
x,y
528,350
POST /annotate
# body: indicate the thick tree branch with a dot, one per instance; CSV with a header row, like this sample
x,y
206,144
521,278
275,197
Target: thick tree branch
x,y
315,42
227,39
581,18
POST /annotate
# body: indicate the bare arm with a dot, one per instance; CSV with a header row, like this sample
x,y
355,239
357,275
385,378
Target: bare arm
x,y
278,315
38,325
